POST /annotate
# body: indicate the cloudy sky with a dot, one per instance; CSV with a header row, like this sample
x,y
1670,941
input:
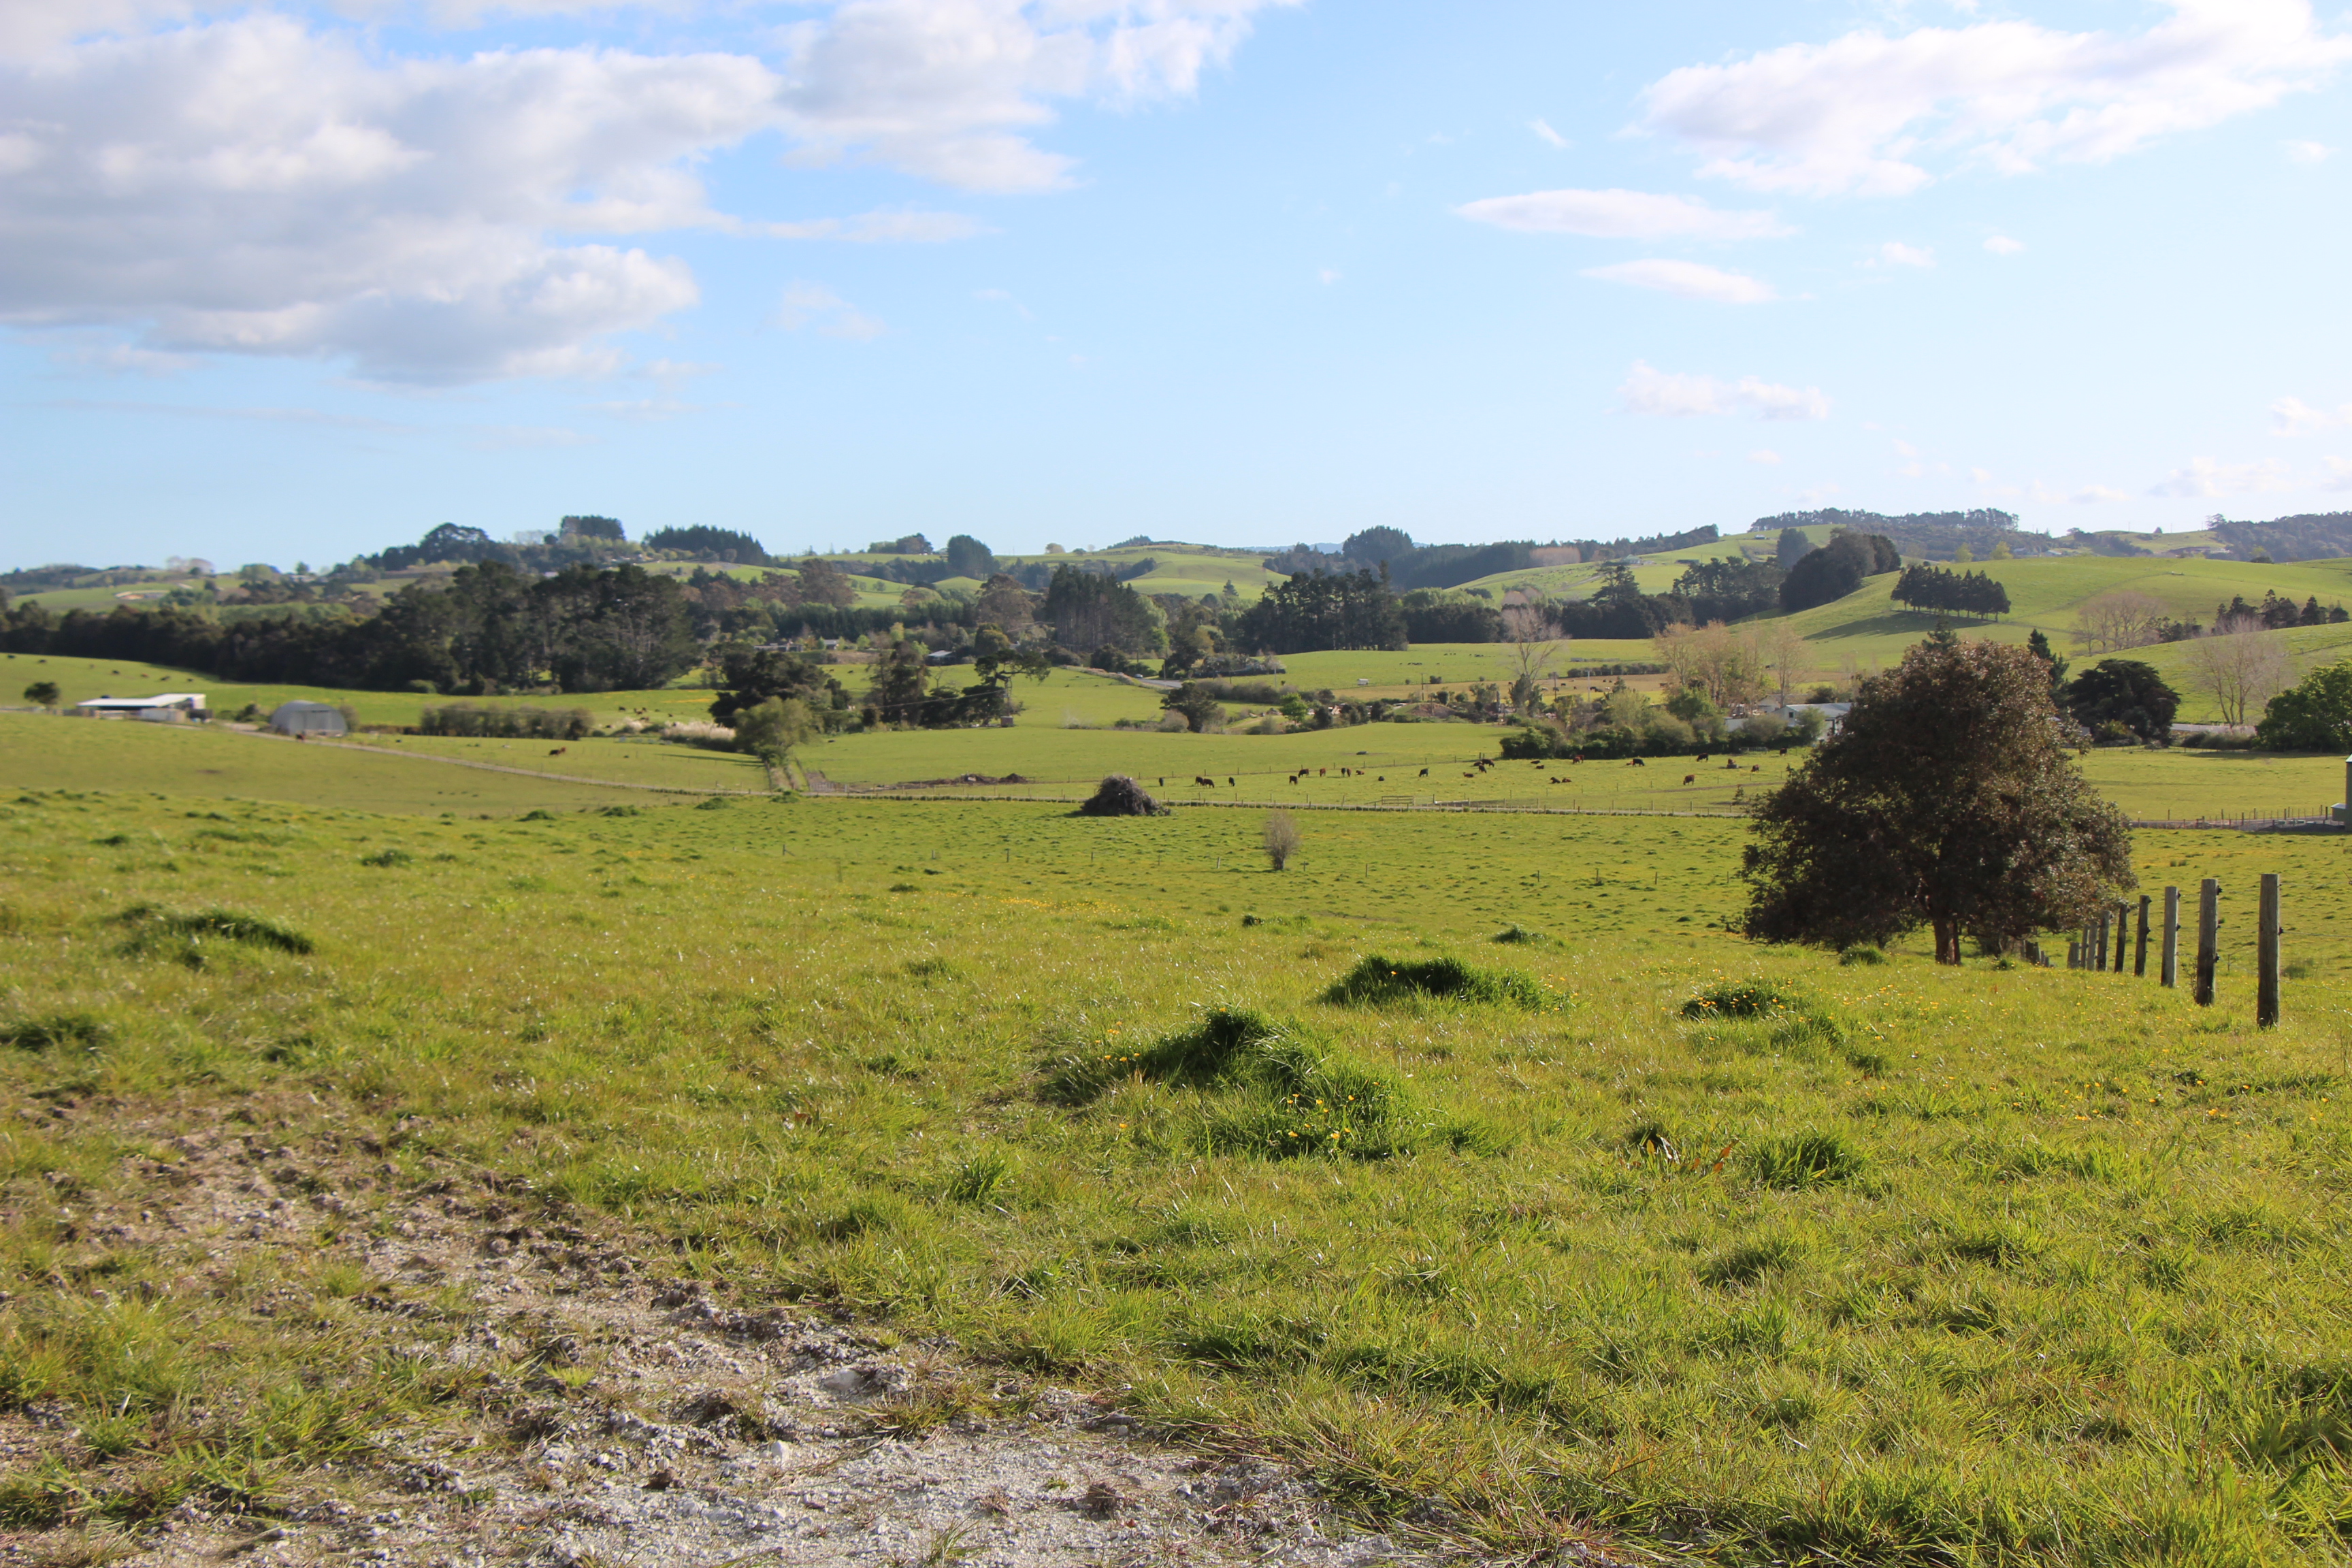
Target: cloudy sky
x,y
297,282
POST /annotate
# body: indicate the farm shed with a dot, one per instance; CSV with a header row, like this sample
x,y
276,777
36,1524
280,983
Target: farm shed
x,y
165,708
308,719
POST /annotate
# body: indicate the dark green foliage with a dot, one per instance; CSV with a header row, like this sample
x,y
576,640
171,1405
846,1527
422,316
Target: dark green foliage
x,y
593,527
1378,545
1927,587
1837,569
1088,610
704,542
1801,1160
1946,800
1319,610
1519,933
1376,980
55,1031
387,857
968,557
154,926
620,811
1729,588
1792,547
713,803
1198,706
1861,953
2314,716
537,814
2126,692
516,723
1437,615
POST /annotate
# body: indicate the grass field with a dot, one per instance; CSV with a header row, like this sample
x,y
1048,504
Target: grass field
x,y
1917,1266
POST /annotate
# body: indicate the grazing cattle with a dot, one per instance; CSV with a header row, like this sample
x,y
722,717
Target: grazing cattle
x,y
1690,778
1637,762
1702,756
1469,775
1163,784
1229,783
1755,768
559,751
1424,773
1208,783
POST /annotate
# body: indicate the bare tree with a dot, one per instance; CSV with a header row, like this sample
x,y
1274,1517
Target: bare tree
x,y
1281,837
2119,618
1534,644
1781,649
1728,667
2240,670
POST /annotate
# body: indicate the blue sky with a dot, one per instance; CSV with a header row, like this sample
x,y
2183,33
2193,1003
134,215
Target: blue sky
x,y
297,283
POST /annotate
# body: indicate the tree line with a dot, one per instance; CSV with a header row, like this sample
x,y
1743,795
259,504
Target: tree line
x,y
1931,587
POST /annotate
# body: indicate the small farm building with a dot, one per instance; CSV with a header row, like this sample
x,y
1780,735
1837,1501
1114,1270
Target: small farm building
x,y
308,719
165,708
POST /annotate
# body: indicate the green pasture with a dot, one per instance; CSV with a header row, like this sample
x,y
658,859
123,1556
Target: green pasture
x,y
631,760
80,679
1885,1263
198,762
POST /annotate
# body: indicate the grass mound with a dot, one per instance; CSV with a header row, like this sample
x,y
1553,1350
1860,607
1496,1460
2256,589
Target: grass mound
x,y
1860,956
1269,1090
387,857
1747,999
1800,1160
1376,980
54,1031
1517,935
154,926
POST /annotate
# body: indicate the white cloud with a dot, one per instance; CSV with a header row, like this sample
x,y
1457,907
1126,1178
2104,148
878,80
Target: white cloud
x,y
2001,245
1866,114
2307,152
1906,450
1620,215
949,90
261,186
1547,134
1649,391
2293,416
2097,495
2339,474
2204,477
1328,276
814,305
1766,456
1894,253
1691,280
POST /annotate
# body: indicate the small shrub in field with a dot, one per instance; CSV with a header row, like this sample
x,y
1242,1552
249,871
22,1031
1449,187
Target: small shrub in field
x,y
713,803
1281,837
54,1031
1119,795
1801,1160
1861,954
621,811
1746,999
1376,979
387,857
151,925
537,814
1519,934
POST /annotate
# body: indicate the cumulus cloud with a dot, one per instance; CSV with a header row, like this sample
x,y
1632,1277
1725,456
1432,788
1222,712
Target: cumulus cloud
x,y
1894,253
2307,152
1691,280
949,90
1620,215
1868,114
261,186
815,306
2001,245
1649,391
2204,477
2339,474
2293,416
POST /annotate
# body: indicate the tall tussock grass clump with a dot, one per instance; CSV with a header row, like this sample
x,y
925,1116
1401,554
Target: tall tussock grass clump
x,y
1269,1088
1376,979
154,928
466,720
55,1031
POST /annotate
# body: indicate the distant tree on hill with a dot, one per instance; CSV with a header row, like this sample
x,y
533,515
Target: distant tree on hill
x,y
968,557
1322,610
905,544
1793,547
1928,587
593,528
2122,618
820,582
1375,546
1945,800
707,543
42,694
899,681
1836,569
2126,692
1088,610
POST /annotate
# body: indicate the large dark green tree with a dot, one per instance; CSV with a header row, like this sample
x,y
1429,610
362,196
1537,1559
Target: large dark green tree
x,y
2124,692
2315,715
1837,569
1946,800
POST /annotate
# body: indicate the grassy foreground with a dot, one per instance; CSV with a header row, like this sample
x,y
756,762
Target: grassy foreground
x,y
1624,1225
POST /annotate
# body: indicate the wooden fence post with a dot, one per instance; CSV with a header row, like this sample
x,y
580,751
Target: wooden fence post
x,y
2209,934
2122,936
2266,994
2099,960
2074,953
2169,960
2140,946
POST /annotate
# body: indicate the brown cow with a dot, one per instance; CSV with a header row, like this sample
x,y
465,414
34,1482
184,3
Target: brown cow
x,y
559,751
1690,778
